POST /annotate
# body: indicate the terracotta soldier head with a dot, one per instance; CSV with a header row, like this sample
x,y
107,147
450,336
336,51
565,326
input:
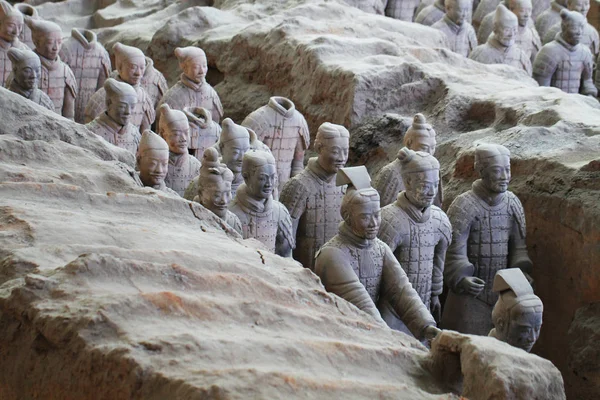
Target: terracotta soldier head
x,y
233,144
505,26
46,36
152,159
420,136
192,61
421,176
571,26
360,206
174,128
458,10
26,67
130,63
522,9
580,6
214,183
517,315
11,22
492,163
121,99
332,144
259,171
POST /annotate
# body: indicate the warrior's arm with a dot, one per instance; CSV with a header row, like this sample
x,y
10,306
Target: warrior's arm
x,y
544,67
439,257
68,110
285,240
517,248
397,290
587,84
298,161
457,265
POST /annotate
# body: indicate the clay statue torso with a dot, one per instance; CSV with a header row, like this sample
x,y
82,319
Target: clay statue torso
x,y
143,110
403,10
590,37
181,172
484,9
90,64
5,64
186,93
492,52
419,242
267,225
56,79
126,137
461,38
203,134
315,202
154,83
431,14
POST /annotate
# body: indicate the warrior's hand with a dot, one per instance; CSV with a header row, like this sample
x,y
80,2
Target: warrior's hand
x,y
471,285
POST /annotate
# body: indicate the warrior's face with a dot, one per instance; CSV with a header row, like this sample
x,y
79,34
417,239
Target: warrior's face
x,y
495,174
216,196
26,74
233,153
120,108
506,32
423,143
333,153
10,28
580,6
153,166
422,187
260,181
132,70
365,219
176,135
458,10
522,9
195,69
49,44
572,32
523,327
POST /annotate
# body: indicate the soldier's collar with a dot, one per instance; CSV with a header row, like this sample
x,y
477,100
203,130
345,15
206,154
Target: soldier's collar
x,y
249,203
274,103
50,65
564,43
415,213
14,87
453,25
110,123
81,37
491,198
355,240
191,84
315,168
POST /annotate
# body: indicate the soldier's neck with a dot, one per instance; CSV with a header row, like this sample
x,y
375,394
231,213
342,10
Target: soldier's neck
x,y
16,88
348,234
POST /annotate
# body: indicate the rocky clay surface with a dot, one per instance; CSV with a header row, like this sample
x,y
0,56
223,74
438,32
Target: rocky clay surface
x,y
123,254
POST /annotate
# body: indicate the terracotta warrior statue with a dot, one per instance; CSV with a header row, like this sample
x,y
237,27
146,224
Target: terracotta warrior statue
x,y
284,130
404,10
90,63
517,315
431,14
58,80
262,218
488,235
114,124
590,36
388,182
154,83
28,11
501,47
362,269
131,64
192,90
312,197
11,24
460,34
183,167
527,37
214,188
550,17
152,162
565,63
484,8
417,231
204,132
26,71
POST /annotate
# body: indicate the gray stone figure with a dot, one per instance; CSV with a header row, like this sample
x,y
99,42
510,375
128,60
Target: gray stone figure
x,y
262,218
539,6
590,36
131,65
152,162
550,17
214,188
192,90
58,80
11,24
459,32
488,235
312,197
90,63
501,47
517,315
154,83
404,10
388,182
431,14
418,232
26,71
183,167
565,63
484,8
204,132
114,124
28,11
362,269
284,130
